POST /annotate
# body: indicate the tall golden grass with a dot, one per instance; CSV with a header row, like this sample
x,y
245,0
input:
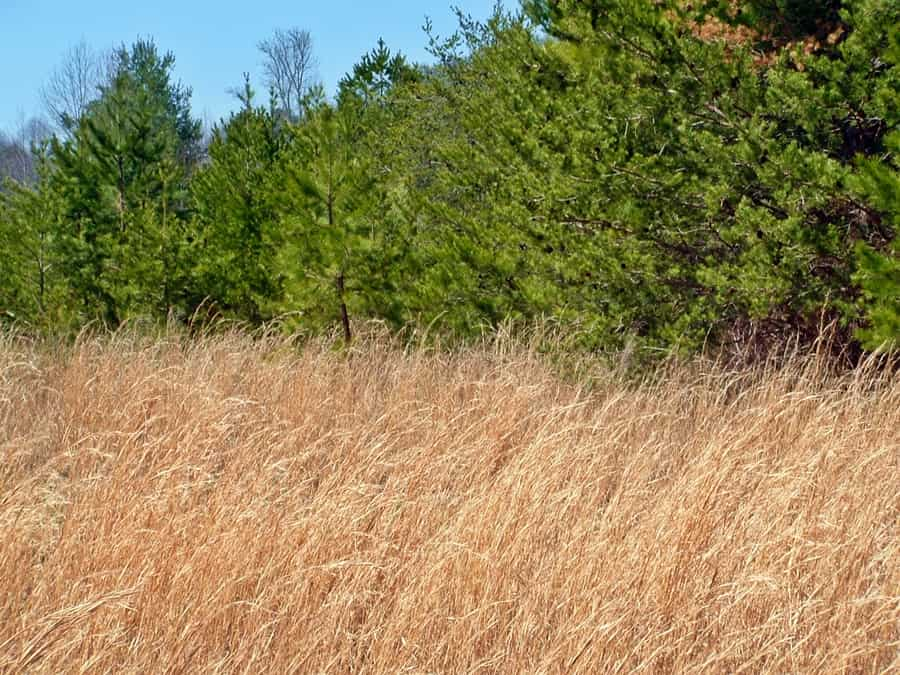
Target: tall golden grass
x,y
225,504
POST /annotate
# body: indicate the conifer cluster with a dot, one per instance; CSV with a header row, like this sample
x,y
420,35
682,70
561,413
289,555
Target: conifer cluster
x,y
665,175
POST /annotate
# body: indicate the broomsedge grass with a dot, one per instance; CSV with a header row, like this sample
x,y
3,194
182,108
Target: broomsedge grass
x,y
228,504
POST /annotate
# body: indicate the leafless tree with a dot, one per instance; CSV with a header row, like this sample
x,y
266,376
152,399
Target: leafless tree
x,y
75,84
17,160
290,67
13,159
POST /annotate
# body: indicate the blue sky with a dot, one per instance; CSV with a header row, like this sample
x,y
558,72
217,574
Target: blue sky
x,y
214,41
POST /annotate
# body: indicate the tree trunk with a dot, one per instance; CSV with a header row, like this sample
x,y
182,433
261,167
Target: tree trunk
x,y
42,272
121,166
339,280
345,316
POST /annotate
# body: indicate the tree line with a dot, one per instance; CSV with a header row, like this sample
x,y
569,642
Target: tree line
x,y
659,176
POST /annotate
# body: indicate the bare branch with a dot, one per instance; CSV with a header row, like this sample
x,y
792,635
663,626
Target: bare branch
x,y
17,160
74,85
289,67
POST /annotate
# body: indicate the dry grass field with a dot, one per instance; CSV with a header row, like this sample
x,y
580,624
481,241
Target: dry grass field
x,y
240,506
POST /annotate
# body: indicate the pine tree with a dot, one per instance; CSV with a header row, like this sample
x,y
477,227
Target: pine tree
x,y
33,291
327,205
470,181
373,99
716,182
239,230
879,269
374,77
123,178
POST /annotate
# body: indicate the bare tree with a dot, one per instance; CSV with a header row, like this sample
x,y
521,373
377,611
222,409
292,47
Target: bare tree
x,y
290,67
14,161
17,159
75,84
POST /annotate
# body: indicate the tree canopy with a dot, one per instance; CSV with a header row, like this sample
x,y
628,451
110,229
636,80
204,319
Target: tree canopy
x,y
657,176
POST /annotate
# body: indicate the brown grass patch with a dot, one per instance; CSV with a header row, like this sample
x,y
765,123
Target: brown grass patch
x,y
228,505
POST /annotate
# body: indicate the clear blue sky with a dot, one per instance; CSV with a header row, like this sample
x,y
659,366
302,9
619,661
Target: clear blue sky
x,y
214,41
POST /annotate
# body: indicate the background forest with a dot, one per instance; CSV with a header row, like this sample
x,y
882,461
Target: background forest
x,y
658,176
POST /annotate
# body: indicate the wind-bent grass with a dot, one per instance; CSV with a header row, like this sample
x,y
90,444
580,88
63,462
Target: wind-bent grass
x,y
229,505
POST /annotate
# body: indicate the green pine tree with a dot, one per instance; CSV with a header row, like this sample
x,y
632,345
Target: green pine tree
x,y
239,231
329,232
879,268
33,289
123,176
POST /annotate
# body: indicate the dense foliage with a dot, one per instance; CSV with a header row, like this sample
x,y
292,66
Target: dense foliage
x,y
655,175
